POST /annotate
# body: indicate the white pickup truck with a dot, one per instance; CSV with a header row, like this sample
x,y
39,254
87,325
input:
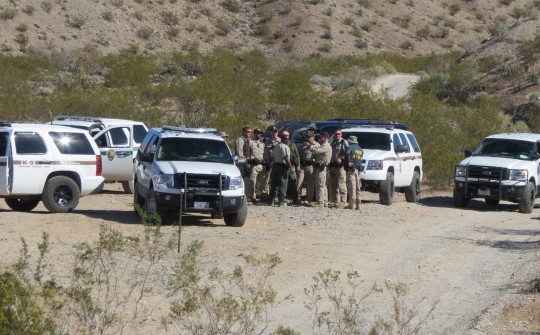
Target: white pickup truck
x,y
502,167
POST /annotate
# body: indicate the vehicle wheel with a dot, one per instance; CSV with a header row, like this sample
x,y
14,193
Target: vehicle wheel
x,y
152,207
128,186
138,201
22,205
386,192
492,202
526,203
237,219
60,194
412,192
459,199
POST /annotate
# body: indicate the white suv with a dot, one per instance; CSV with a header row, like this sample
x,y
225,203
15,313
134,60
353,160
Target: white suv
x,y
502,167
47,163
189,169
392,161
118,141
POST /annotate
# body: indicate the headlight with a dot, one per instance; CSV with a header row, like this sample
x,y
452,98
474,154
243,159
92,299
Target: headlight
x,y
236,183
164,179
518,175
461,171
375,165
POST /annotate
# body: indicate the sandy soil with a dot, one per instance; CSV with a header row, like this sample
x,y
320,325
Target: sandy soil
x,y
468,263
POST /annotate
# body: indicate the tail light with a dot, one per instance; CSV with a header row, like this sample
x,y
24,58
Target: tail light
x,y
99,165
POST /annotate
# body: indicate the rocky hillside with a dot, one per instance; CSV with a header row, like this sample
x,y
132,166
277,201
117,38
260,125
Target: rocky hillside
x,y
300,27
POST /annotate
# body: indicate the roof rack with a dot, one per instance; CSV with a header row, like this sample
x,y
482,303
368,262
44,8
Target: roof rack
x,y
189,130
5,124
78,118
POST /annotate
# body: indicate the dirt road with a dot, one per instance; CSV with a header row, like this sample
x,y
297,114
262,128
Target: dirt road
x,y
465,262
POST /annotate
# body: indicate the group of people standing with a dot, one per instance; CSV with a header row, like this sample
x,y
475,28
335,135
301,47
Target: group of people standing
x,y
277,168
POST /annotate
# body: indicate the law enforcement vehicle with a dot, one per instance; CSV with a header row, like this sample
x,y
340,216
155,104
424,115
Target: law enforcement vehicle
x,y
502,167
179,168
118,141
53,164
392,160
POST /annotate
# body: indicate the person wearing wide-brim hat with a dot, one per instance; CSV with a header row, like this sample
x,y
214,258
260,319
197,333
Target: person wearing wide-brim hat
x,y
353,163
224,135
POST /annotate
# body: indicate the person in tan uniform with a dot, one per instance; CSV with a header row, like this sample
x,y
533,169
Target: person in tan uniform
x,y
256,170
322,156
337,178
241,149
281,169
307,175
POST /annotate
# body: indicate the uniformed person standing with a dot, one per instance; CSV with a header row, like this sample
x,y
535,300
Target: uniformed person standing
x,y
269,145
280,173
292,188
322,156
337,179
241,149
353,162
307,161
256,171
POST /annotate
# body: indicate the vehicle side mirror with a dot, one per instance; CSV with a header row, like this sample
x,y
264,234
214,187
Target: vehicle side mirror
x,y
467,153
402,148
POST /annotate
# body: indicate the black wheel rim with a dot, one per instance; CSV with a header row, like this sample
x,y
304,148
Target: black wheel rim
x,y
63,196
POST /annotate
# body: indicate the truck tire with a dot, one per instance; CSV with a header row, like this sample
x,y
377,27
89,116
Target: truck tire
x,y
412,192
151,207
128,186
386,191
460,200
22,205
526,203
236,219
60,194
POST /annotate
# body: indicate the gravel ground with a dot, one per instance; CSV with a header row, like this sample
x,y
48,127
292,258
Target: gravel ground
x,y
467,263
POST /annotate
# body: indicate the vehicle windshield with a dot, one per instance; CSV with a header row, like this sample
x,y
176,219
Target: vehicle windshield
x,y
369,140
494,147
194,150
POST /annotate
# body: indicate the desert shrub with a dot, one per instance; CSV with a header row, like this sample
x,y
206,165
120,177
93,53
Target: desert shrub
x,y
172,32
77,21
407,45
222,27
22,28
107,15
144,33
28,9
402,21
8,14
453,9
231,5
423,32
169,18
47,6
530,49
130,71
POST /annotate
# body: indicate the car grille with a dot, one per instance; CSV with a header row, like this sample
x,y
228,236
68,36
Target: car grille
x,y
201,181
487,172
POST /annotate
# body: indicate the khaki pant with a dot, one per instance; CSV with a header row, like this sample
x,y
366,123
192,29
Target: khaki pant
x,y
256,181
354,185
337,184
321,193
309,181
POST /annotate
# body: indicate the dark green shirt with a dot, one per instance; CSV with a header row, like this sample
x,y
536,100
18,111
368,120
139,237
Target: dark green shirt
x,y
295,156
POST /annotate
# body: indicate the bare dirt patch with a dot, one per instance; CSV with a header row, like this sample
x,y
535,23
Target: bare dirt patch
x,y
469,263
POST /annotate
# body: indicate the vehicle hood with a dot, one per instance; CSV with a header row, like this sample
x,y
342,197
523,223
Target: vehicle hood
x,y
172,167
371,154
510,163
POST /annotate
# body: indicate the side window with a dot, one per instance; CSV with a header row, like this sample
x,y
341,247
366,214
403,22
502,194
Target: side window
x,y
414,144
72,143
120,137
139,132
396,140
404,140
153,141
3,144
102,141
29,144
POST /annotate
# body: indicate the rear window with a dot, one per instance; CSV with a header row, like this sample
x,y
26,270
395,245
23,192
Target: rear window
x,y
139,132
72,143
29,143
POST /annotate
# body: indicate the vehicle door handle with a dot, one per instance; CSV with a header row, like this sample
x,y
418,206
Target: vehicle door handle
x,y
123,154
45,162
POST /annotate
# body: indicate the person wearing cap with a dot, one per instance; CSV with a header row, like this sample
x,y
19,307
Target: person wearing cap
x,y
256,171
307,172
337,177
353,163
322,156
269,145
281,167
